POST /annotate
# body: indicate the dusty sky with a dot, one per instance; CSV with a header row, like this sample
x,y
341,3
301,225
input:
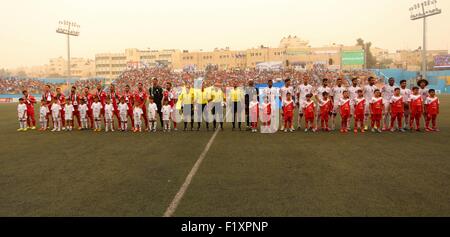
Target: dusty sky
x,y
27,35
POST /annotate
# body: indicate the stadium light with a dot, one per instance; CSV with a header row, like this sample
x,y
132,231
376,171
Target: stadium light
x,y
423,10
68,28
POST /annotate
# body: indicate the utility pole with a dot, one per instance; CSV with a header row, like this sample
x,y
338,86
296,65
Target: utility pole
x,y
68,28
422,11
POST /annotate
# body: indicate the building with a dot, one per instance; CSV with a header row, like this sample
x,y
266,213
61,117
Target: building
x,y
57,67
110,65
412,59
379,53
80,67
291,52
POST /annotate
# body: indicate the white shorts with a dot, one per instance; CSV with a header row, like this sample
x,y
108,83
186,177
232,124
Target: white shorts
x,y
300,110
123,117
335,108
387,108
367,109
108,116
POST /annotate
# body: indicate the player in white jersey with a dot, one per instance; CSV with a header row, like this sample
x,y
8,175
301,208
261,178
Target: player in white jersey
x,y
387,92
68,114
96,110
137,117
83,108
302,90
270,91
152,111
123,114
353,94
369,91
405,93
319,95
56,115
43,111
336,94
353,89
109,111
287,88
22,115
166,114
423,92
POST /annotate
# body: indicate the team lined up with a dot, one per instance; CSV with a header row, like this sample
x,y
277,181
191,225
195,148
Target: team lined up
x,y
317,105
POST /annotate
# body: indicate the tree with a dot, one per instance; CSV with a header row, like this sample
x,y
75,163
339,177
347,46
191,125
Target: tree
x,y
371,60
21,73
4,73
386,62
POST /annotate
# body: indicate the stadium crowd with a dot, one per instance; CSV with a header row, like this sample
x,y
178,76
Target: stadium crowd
x,y
12,85
229,78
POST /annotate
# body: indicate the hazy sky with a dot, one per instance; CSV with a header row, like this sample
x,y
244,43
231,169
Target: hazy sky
x,y
27,33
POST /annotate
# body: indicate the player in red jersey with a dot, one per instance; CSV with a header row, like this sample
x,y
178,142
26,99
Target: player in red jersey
x,y
48,96
432,110
326,108
62,102
141,98
288,111
114,98
416,108
345,109
89,100
376,111
129,99
397,110
75,101
360,104
30,101
169,95
308,111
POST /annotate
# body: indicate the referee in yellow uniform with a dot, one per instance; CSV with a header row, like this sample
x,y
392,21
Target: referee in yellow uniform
x,y
186,98
202,97
218,98
236,98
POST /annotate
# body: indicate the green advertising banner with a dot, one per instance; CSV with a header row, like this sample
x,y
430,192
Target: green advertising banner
x,y
353,57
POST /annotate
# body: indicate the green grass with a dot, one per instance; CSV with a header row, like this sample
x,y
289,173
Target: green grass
x,y
243,174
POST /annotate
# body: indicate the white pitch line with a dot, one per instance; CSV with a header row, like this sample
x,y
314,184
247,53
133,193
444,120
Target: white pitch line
x,y
176,200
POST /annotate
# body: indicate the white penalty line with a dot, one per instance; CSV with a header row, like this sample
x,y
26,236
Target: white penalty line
x,y
176,200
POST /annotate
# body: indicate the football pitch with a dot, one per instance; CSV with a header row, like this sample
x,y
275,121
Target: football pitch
x,y
82,173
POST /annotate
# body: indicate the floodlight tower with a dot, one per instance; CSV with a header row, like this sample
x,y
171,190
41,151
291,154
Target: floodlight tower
x,y
68,28
423,10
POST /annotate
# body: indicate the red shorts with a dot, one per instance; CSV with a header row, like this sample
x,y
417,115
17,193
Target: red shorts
x,y
359,116
394,114
375,116
288,117
324,116
416,113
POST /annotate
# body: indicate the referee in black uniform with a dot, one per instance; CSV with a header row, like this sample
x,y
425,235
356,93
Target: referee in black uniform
x,y
156,92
